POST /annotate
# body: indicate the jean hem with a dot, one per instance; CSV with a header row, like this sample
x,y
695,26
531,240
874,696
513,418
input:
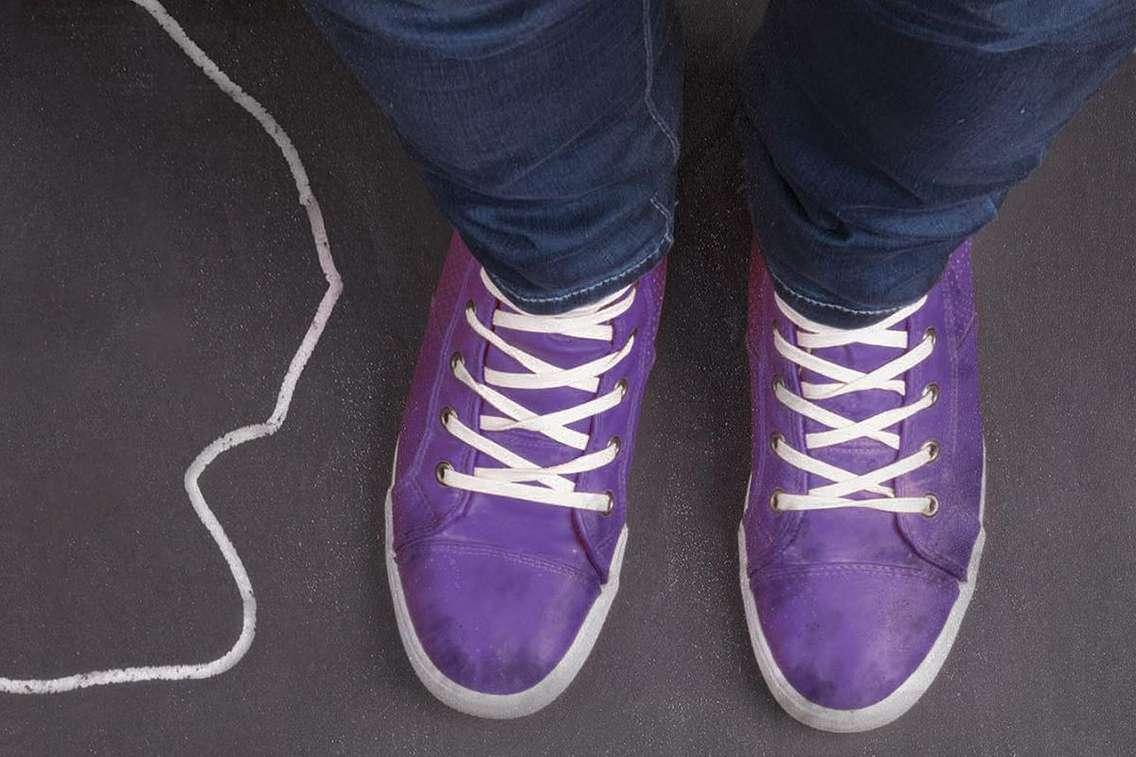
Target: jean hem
x,y
811,303
583,295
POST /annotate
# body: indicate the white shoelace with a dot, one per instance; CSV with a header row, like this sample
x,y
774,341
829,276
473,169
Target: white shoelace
x,y
520,478
844,380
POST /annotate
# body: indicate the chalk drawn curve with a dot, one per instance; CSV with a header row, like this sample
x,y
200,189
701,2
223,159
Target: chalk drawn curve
x,y
235,437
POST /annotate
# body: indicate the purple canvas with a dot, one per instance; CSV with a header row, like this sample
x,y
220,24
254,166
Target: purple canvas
x,y
851,607
499,598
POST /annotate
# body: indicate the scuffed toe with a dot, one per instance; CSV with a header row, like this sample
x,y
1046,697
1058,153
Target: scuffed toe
x,y
847,637
491,621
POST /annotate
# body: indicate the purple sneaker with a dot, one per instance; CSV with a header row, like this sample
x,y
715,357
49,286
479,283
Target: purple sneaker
x,y
863,525
505,521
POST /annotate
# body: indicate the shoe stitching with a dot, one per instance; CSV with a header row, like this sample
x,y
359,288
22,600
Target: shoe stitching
x,y
852,569
433,548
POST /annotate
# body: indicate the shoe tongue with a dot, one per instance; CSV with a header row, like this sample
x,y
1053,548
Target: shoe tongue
x,y
556,349
859,455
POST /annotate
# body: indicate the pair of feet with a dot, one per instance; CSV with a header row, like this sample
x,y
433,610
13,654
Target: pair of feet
x,y
860,539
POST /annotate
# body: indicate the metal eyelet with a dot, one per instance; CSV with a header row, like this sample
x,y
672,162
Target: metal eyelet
x,y
932,448
778,383
440,472
622,386
932,508
930,333
471,307
933,390
616,442
774,439
610,504
456,359
776,325
445,415
774,500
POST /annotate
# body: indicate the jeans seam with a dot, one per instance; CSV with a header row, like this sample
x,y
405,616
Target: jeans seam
x,y
819,303
650,75
668,217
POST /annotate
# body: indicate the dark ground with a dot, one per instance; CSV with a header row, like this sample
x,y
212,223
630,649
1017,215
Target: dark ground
x,y
156,275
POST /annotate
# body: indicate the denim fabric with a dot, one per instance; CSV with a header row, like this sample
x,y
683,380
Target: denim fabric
x,y
881,133
878,133
546,129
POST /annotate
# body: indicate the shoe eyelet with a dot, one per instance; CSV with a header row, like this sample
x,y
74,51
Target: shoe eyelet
x,y
930,333
610,504
622,386
778,383
776,325
774,500
445,415
932,449
933,390
774,439
616,442
471,307
440,472
456,359
932,508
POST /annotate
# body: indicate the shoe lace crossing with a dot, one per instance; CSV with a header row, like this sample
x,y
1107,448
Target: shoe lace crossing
x,y
843,380
519,478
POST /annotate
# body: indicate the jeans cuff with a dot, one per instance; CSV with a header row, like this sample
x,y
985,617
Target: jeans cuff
x,y
830,313
561,302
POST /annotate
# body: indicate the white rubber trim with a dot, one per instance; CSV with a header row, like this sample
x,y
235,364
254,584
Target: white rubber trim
x,y
500,706
899,701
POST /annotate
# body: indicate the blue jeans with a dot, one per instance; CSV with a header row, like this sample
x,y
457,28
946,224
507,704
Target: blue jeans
x,y
877,133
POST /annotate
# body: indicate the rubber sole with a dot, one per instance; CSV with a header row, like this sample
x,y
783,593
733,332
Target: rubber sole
x,y
899,701
499,706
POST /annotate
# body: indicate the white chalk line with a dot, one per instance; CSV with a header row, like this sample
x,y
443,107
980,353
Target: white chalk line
x,y
236,436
